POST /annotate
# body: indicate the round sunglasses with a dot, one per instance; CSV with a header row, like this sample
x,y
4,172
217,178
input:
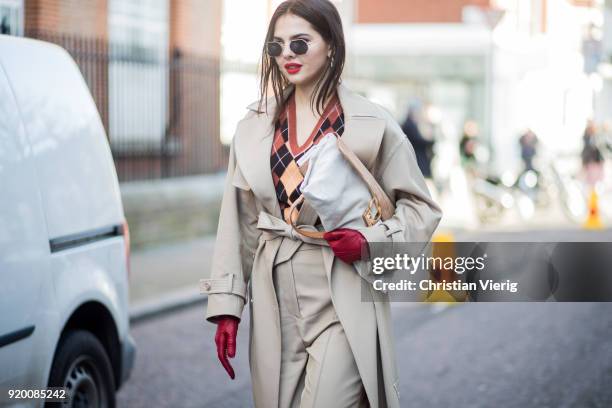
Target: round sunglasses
x,y
299,46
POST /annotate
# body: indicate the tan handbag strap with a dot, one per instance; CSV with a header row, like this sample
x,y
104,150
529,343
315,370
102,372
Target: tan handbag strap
x,y
386,206
292,220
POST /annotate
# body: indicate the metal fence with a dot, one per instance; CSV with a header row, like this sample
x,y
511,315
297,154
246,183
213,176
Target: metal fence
x,y
161,114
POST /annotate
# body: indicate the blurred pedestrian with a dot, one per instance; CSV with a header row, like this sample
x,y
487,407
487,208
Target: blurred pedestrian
x,y
468,144
592,158
5,27
528,142
606,135
423,148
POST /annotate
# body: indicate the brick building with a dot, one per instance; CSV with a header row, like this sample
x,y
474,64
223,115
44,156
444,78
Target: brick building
x,y
414,11
153,68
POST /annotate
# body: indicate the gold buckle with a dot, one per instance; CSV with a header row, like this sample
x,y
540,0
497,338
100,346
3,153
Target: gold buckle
x,y
367,216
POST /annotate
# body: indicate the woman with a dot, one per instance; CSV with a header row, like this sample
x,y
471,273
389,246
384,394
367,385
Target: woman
x,y
313,342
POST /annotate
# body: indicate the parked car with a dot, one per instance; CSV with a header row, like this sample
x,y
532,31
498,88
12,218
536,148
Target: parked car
x,y
64,241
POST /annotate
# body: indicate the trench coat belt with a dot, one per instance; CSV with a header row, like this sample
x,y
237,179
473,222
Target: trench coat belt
x,y
272,227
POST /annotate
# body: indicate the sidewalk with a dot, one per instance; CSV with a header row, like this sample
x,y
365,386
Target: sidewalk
x,y
167,276
175,209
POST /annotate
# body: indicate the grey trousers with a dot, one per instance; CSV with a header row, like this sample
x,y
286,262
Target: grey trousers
x,y
317,365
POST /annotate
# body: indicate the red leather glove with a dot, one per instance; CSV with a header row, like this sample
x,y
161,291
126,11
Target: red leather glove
x,y
346,243
225,339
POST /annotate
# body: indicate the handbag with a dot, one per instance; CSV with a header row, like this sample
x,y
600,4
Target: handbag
x,y
339,188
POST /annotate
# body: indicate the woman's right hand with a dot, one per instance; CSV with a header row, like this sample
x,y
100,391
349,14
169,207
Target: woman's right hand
x,y
225,339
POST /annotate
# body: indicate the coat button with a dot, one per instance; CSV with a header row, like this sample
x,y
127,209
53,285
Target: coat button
x,y
206,285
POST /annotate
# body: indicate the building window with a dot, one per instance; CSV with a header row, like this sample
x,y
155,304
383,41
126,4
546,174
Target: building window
x,y
11,17
138,74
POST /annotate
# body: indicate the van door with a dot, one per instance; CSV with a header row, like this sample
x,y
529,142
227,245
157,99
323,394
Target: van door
x,y
25,282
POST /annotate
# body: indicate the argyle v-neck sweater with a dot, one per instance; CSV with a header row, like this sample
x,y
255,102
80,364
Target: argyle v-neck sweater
x,y
286,151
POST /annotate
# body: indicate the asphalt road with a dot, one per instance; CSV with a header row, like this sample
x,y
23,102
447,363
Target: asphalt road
x,y
468,355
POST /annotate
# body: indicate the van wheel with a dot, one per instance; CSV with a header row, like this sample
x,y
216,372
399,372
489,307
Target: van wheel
x,y
83,368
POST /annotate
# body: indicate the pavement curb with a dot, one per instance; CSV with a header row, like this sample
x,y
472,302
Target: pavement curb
x,y
169,302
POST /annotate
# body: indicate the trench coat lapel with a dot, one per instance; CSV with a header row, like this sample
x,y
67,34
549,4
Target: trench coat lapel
x,y
254,137
364,126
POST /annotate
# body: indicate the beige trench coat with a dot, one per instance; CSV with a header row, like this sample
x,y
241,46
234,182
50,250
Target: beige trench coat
x,y
245,249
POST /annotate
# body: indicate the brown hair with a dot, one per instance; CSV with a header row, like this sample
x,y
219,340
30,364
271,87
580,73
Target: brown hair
x,y
324,17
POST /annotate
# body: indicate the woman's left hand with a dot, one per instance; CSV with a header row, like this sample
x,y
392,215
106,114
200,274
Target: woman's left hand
x,y
346,243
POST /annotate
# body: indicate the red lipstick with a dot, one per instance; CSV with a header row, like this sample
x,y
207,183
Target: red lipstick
x,y
293,68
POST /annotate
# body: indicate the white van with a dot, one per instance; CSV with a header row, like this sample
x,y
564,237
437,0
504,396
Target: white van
x,y
64,241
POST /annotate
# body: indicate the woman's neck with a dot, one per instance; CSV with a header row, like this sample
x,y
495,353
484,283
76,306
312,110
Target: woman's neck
x,y
303,93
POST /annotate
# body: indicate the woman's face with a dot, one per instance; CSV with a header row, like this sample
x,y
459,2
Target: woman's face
x,y
300,69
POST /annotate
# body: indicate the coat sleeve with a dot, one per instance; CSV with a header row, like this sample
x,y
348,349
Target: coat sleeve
x,y
416,214
235,246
